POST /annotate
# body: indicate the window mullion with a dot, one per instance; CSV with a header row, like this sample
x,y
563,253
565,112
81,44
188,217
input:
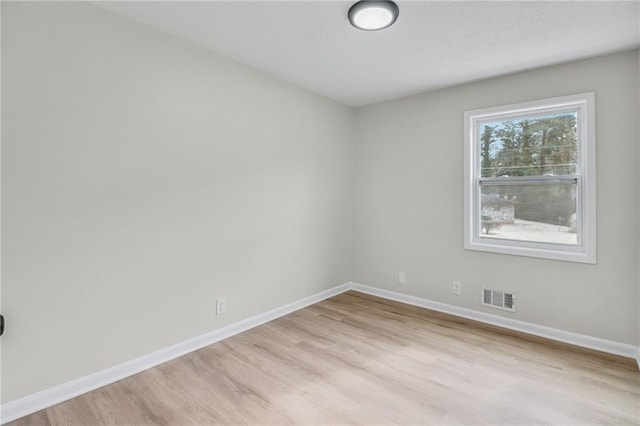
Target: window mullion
x,y
526,180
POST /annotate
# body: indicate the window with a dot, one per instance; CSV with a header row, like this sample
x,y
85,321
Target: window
x,y
530,186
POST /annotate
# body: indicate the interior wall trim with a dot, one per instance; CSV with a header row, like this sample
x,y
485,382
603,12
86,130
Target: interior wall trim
x,y
582,340
31,403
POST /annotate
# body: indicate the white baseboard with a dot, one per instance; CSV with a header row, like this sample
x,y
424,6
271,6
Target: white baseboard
x,y
603,345
30,404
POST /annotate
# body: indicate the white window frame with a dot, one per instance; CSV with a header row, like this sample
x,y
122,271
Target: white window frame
x,y
585,250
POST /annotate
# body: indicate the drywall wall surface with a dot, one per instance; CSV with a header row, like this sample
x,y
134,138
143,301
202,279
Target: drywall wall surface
x,y
144,177
409,202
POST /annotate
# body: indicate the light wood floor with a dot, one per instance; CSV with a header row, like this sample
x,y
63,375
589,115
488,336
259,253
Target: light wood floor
x,y
357,359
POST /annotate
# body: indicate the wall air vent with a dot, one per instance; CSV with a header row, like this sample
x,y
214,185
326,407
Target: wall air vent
x,y
499,299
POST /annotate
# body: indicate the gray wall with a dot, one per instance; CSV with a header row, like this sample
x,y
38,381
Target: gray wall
x,y
142,178
409,202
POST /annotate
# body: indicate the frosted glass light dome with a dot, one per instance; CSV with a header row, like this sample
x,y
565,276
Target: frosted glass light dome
x,y
371,15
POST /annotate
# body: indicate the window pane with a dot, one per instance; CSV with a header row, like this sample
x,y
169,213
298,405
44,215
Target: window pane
x,y
533,146
544,213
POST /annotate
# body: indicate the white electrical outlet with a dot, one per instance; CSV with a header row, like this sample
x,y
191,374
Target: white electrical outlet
x,y
457,287
402,277
220,306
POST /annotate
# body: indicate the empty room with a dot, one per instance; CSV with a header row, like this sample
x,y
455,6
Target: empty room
x,y
320,212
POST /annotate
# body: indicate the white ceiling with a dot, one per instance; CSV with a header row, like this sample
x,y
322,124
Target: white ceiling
x,y
433,43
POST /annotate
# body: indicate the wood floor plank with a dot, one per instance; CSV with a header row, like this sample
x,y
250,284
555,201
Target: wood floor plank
x,y
359,359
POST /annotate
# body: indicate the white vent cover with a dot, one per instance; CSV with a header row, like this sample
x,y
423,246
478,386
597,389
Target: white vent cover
x,y
499,299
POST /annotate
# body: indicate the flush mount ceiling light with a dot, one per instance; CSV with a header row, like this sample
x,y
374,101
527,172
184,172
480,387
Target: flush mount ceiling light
x,y
371,15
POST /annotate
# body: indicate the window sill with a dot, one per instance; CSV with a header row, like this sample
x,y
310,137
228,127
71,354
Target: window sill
x,y
548,252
